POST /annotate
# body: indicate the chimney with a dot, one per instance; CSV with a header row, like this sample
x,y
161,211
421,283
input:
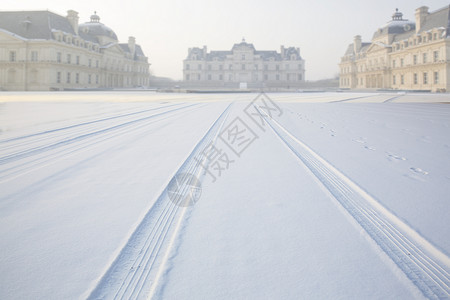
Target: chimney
x,y
421,13
282,51
357,44
132,45
72,16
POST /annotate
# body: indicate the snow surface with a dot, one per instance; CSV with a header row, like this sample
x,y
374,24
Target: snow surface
x,y
81,174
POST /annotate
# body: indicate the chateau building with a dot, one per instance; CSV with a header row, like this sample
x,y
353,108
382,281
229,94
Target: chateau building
x,y
243,64
403,55
41,50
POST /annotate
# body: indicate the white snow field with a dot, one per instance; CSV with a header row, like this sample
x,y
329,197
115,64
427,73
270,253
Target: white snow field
x,y
138,195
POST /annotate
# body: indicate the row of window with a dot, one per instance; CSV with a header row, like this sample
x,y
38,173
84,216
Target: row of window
x,y
69,78
289,77
415,59
77,42
243,67
425,79
77,60
416,41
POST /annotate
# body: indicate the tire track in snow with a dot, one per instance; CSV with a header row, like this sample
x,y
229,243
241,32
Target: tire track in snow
x,y
425,265
36,157
90,133
87,126
136,271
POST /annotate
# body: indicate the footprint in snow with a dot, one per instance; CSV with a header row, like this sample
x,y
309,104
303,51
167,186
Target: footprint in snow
x,y
370,148
419,171
393,157
360,140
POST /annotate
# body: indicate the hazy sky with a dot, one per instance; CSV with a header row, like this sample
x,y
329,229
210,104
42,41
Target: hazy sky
x,y
167,28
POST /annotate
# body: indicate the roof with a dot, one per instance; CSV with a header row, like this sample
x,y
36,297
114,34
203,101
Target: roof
x,y
350,49
92,30
138,49
395,27
438,18
34,24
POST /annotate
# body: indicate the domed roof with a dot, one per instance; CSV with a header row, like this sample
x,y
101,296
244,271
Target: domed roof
x,y
397,25
97,29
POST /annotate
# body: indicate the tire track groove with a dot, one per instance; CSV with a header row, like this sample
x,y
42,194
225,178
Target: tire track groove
x,y
136,271
425,265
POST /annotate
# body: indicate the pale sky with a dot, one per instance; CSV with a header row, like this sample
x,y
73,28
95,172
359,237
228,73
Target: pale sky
x,y
166,29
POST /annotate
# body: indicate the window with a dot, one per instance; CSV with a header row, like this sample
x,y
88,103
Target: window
x,y
278,77
402,79
415,59
78,60
393,80
69,58
12,55
77,78
68,77
393,63
424,58
287,67
425,78
415,78
220,67
58,77
243,66
58,57
266,67
96,79
435,36
277,67
90,62
188,67
90,79
220,77
199,67
436,77
435,56
188,77
266,77
209,67
230,77
287,77
96,64
230,67
243,56
34,56
299,66
209,76
198,77
256,67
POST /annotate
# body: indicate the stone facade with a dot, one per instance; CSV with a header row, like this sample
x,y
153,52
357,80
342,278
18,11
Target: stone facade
x,y
403,55
40,50
243,64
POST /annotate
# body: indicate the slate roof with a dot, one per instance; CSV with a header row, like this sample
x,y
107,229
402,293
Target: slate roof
x,y
34,24
350,49
41,24
222,55
436,19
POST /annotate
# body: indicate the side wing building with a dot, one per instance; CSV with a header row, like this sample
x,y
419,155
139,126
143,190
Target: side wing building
x,y
41,50
402,55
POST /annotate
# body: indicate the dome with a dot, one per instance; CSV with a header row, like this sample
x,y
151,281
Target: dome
x,y
397,25
97,29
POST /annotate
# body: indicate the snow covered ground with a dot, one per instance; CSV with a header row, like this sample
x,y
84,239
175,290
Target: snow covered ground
x,y
305,195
